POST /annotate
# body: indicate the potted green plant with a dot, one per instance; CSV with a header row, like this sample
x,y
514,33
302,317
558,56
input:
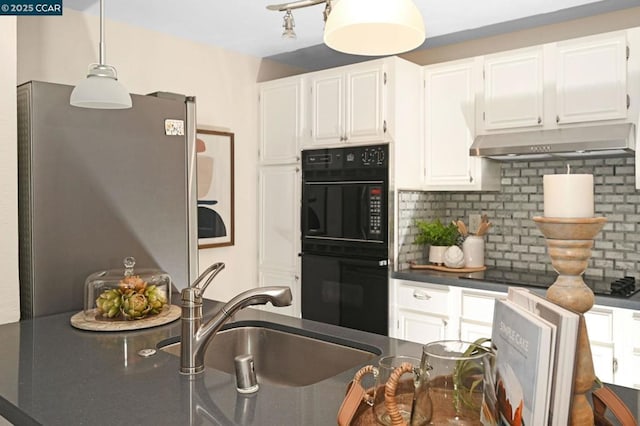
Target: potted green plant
x,y
438,236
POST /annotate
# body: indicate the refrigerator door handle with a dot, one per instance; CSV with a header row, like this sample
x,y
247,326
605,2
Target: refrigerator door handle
x,y
192,190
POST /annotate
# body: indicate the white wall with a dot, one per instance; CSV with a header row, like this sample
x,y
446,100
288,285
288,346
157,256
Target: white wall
x,y
9,295
60,49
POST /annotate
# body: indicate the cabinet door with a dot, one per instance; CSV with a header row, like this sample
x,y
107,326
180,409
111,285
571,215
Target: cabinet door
x,y
279,213
472,331
635,351
592,79
599,322
513,89
476,313
291,280
280,121
603,361
327,108
421,327
449,129
364,104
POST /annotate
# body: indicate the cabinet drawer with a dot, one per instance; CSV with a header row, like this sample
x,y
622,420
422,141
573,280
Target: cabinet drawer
x,y
599,324
423,299
478,306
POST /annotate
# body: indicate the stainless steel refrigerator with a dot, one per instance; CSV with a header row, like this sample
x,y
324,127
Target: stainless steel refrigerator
x,y
96,186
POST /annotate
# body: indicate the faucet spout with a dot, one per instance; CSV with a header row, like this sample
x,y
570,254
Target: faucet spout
x,y
196,337
278,296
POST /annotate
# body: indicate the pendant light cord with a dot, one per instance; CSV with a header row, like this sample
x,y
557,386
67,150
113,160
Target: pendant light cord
x,y
102,48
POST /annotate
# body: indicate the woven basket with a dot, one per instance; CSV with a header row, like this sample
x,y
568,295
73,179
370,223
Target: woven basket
x,y
364,414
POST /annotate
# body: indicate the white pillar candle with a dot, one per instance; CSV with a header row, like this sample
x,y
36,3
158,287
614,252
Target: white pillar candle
x,y
568,195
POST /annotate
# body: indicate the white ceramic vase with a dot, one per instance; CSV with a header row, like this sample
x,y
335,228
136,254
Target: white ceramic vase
x,y
473,249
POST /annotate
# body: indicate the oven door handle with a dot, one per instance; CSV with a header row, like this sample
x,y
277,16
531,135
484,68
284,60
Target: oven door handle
x,y
364,211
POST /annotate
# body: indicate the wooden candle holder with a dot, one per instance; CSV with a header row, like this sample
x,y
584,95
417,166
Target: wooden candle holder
x,y
570,241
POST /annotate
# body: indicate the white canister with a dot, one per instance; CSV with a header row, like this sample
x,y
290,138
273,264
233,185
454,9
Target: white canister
x,y
473,249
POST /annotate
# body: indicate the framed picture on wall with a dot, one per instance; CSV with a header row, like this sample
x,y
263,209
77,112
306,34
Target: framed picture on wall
x,y
214,157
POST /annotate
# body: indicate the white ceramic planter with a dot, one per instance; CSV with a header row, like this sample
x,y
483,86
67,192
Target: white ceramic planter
x,y
436,254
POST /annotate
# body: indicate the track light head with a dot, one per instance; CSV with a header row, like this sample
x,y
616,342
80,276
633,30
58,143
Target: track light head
x,y
288,26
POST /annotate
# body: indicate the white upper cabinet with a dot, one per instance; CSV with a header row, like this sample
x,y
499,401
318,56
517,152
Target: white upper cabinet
x,y
513,89
281,120
449,120
347,105
556,84
591,78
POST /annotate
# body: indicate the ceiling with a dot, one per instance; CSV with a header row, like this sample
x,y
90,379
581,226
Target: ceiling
x,y
246,26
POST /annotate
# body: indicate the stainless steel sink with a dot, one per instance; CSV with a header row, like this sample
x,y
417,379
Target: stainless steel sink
x,y
282,355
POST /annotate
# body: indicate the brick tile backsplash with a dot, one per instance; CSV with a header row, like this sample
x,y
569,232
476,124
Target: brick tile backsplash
x,y
514,241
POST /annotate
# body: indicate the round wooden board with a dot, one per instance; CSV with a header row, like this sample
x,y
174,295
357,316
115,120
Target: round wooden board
x,y
84,322
445,269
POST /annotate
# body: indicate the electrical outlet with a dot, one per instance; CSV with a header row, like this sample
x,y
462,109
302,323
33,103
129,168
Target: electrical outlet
x,y
474,223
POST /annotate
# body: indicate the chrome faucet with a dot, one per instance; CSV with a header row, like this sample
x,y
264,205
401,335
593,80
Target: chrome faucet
x,y
197,336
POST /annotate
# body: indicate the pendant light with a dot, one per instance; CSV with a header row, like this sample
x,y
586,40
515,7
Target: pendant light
x,y
101,89
374,27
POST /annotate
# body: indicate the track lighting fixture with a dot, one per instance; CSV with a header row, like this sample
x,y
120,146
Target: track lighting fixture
x,y
364,27
288,25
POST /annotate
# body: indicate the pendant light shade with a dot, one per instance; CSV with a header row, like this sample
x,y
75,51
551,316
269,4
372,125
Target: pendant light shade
x,y
101,89
374,27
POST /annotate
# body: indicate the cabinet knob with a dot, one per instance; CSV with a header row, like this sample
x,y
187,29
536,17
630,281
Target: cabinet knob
x,y
557,118
421,295
470,178
539,120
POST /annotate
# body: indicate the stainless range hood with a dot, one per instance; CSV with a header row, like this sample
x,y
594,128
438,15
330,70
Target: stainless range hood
x,y
584,141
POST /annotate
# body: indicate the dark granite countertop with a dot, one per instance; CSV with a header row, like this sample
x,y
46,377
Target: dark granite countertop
x,y
497,279
54,374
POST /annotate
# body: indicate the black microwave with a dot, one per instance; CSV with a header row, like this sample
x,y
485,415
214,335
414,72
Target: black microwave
x,y
345,197
347,211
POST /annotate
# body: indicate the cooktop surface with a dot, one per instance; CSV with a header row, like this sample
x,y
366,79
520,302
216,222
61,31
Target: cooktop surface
x,y
613,287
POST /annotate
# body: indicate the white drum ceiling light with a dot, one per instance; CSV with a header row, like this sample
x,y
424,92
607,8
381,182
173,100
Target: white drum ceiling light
x,y
368,27
374,27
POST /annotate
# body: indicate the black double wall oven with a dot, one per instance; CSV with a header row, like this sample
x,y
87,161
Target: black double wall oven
x,y
345,237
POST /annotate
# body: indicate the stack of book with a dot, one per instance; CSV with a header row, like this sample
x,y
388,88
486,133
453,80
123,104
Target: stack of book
x,y
535,342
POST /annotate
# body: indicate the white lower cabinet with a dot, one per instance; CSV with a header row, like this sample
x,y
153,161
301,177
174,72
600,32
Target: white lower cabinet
x,y
426,312
615,344
420,327
634,355
600,330
476,313
422,312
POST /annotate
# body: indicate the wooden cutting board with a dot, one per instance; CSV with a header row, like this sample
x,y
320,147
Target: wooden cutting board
x,y
446,269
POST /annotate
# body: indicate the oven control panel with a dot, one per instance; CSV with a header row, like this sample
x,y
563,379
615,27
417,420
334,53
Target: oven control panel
x,y
357,157
375,210
373,156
